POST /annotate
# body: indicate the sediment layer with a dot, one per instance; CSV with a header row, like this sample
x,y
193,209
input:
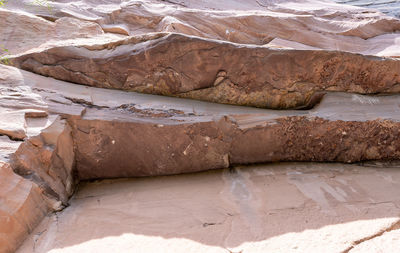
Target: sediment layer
x,y
216,71
99,133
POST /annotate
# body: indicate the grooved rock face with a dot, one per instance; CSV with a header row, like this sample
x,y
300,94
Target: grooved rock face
x,y
295,23
22,207
178,65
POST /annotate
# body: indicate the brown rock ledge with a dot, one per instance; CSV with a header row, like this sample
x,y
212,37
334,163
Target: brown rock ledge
x,y
22,206
90,133
107,133
216,71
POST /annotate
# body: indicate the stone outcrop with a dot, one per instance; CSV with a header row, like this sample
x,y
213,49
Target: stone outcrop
x,y
287,207
48,160
22,207
319,24
108,133
22,31
191,67
336,63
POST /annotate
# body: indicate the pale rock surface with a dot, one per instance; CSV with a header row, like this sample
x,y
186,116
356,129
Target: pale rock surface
x,y
387,242
268,208
320,24
22,31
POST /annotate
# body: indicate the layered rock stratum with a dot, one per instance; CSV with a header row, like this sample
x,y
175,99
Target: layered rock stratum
x,y
280,81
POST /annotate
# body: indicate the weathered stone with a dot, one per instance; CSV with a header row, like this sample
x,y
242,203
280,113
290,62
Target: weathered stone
x,y
255,76
110,133
22,31
22,207
48,160
312,23
287,207
55,134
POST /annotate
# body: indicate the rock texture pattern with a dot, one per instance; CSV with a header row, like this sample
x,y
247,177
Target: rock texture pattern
x,y
172,64
108,133
272,208
22,206
337,63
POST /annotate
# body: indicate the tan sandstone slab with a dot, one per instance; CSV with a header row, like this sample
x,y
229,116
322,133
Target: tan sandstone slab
x,y
320,24
266,208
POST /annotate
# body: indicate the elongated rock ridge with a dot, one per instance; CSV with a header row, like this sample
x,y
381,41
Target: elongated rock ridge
x,y
191,67
108,133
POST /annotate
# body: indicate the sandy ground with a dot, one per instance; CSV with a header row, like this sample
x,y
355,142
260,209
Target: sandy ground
x,y
270,208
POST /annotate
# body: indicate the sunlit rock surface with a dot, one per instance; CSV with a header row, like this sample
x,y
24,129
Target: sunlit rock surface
x,y
337,63
271,208
178,65
266,72
390,7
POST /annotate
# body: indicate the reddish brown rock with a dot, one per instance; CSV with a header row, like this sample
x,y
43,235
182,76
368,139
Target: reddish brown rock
x,y
22,207
55,134
48,160
104,152
110,133
216,71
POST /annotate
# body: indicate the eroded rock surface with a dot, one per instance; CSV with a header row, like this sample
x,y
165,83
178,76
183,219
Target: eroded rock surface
x,y
271,54
22,206
272,208
320,24
118,134
191,67
22,31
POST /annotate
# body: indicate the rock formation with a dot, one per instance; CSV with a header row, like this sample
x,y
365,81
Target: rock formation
x,y
71,107
172,64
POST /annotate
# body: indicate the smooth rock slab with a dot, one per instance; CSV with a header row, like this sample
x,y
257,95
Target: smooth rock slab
x,y
268,208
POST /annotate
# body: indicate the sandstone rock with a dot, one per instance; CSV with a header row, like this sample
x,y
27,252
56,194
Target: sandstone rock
x,y
388,241
22,207
54,134
48,160
321,24
110,133
254,76
22,31
269,208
